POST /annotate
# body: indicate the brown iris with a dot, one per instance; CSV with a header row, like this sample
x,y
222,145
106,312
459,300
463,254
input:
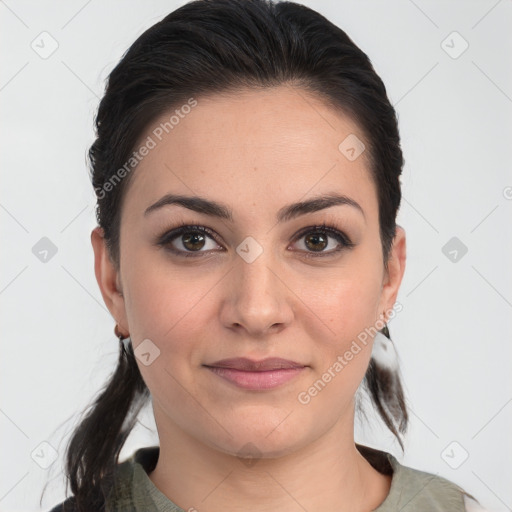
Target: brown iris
x,y
316,238
189,241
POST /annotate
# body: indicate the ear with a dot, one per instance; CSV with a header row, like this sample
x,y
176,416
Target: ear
x,y
108,279
395,271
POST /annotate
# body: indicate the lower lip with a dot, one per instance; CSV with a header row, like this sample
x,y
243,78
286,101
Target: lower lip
x,y
257,380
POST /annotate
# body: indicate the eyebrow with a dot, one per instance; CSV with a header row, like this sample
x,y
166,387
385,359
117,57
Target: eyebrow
x,y
222,211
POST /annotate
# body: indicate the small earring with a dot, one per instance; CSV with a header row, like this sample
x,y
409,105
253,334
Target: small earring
x,y
125,341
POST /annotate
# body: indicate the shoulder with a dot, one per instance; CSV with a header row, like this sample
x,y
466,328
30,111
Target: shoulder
x,y
68,505
120,494
414,490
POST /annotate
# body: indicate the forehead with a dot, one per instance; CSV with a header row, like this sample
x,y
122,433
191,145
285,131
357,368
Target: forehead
x,y
254,148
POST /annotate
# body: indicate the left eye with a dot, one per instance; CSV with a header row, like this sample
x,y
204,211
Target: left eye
x,y
194,238
317,239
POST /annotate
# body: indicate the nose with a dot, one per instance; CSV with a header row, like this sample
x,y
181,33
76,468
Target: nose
x,y
257,300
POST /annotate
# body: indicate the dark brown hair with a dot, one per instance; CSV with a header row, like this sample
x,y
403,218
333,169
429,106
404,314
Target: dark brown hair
x,y
204,47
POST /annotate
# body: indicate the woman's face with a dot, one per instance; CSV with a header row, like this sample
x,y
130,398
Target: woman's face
x,y
261,284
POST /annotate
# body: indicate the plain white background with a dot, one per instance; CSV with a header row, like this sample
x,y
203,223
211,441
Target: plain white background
x,y
453,335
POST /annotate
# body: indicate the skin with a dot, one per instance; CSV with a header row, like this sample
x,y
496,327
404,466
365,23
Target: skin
x,y
256,151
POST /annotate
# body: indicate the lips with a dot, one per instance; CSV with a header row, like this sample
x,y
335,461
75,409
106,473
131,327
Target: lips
x,y
248,365
256,375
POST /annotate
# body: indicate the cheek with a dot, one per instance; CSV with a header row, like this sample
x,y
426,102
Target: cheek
x,y
356,304
161,295
171,308
174,307
341,359
349,304
350,299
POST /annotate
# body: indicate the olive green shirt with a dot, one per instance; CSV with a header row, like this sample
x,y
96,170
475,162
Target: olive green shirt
x,y
411,490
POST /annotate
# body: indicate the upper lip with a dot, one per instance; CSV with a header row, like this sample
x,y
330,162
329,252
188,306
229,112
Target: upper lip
x,y
245,364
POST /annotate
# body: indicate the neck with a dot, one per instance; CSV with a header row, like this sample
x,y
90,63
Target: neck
x,y
328,474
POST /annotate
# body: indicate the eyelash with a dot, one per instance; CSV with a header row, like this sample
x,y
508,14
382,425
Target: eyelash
x,y
332,230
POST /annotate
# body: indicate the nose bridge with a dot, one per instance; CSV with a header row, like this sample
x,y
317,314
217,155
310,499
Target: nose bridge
x,y
257,296
256,278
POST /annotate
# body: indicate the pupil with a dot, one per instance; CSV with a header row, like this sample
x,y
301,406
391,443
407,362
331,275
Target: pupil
x,y
317,238
191,239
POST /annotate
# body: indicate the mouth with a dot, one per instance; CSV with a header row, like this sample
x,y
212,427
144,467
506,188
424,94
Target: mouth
x,y
256,375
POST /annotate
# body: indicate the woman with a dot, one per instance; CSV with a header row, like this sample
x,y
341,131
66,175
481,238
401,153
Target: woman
x,y
247,167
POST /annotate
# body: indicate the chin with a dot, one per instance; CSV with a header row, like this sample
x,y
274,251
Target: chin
x,y
263,440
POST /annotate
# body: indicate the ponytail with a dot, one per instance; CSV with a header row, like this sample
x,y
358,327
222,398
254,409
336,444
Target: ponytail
x,y
382,383
93,450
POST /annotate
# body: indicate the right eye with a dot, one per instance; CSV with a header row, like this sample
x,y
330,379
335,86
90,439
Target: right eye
x,y
191,238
